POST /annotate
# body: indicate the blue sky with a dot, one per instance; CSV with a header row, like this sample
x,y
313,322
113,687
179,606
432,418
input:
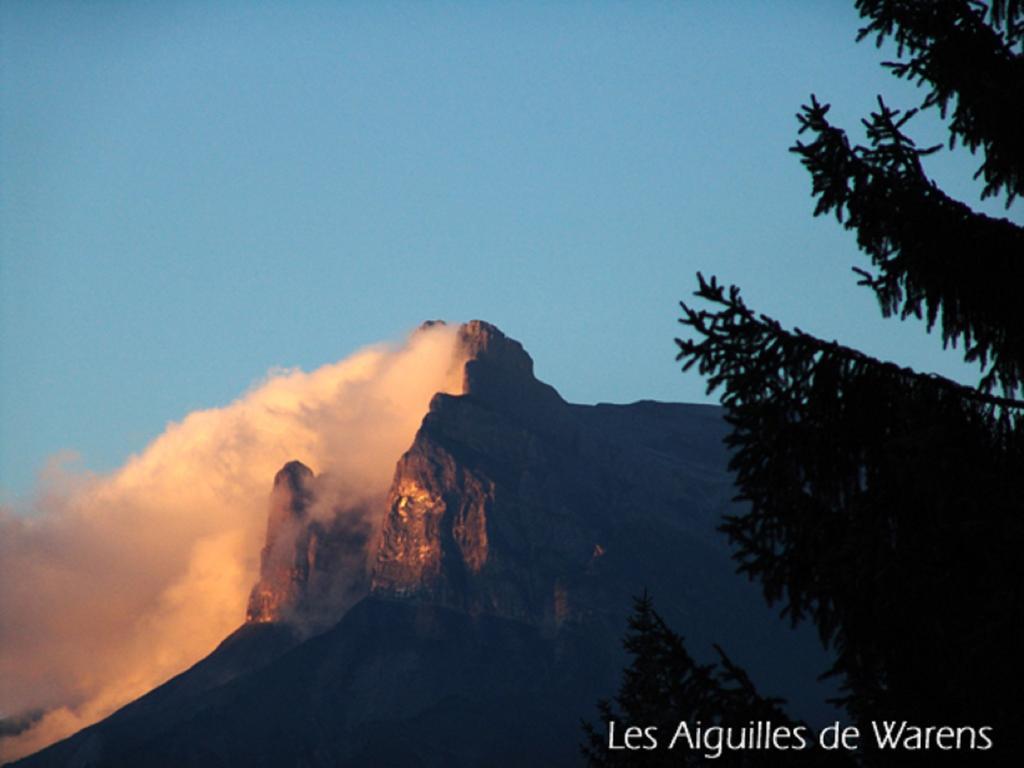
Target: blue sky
x,y
193,193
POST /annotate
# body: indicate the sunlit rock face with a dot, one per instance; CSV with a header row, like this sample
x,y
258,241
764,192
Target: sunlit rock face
x,y
453,532
290,549
434,536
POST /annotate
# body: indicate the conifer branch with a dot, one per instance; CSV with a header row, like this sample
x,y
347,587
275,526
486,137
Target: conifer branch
x,y
967,53
921,241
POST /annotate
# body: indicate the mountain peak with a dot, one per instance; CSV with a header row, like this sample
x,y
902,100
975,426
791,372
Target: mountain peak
x,y
312,565
300,562
499,372
294,475
284,567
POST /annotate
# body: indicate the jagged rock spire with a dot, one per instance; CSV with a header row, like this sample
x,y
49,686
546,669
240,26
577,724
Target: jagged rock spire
x,y
285,559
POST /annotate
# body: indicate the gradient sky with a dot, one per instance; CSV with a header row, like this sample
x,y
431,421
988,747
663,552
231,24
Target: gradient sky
x,y
193,193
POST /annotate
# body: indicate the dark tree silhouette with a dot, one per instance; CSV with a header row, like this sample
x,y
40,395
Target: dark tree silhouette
x,y
664,685
884,505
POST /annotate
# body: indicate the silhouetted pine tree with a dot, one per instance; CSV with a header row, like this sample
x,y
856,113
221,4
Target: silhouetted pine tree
x,y
886,505
663,685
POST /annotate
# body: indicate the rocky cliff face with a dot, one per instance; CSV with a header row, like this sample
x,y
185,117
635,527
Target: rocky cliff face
x,y
290,550
313,565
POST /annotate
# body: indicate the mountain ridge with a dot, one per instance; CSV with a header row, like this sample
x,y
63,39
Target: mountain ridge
x,y
497,579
